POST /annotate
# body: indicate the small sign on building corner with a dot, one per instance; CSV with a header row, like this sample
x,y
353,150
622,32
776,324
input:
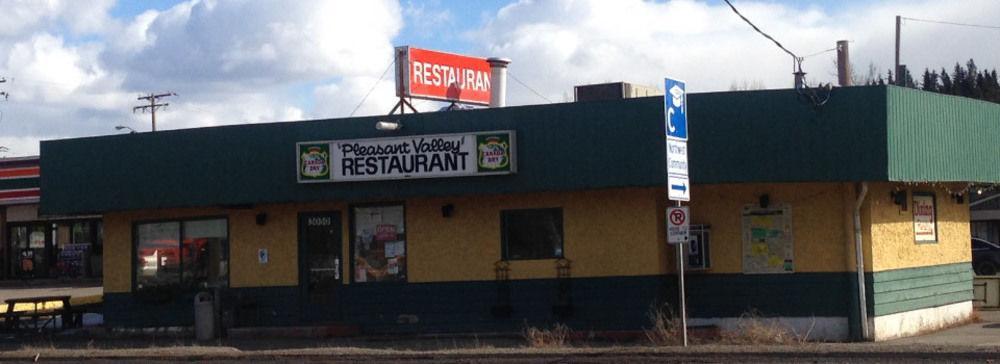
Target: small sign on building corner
x,y
262,256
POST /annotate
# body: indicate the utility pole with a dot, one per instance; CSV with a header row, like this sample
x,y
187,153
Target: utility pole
x,y
899,21
152,105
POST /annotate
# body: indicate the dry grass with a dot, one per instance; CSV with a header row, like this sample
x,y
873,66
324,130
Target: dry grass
x,y
754,329
556,337
666,328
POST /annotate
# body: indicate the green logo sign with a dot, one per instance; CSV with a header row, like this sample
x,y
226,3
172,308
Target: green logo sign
x,y
314,161
493,152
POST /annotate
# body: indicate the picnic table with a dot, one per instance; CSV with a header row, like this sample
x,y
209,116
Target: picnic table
x,y
13,319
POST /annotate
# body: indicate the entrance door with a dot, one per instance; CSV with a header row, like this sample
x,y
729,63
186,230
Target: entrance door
x,y
320,265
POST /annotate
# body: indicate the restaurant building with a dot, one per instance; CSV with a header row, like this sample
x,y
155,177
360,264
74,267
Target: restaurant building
x,y
34,247
492,219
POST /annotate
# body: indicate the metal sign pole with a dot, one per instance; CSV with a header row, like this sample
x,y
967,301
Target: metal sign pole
x,y
680,290
678,182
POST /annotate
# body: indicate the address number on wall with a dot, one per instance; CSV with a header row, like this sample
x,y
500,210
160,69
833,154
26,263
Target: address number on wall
x,y
319,221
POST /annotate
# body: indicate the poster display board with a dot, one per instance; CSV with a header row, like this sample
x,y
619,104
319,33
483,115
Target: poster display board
x,y
924,218
767,240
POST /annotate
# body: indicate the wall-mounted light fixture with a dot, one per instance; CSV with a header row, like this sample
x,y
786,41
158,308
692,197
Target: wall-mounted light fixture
x,y
261,218
447,210
388,125
764,201
899,198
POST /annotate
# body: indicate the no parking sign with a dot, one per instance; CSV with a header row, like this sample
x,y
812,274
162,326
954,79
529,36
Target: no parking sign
x,y
678,224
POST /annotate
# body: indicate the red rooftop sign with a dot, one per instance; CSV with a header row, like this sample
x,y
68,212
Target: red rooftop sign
x,y
431,75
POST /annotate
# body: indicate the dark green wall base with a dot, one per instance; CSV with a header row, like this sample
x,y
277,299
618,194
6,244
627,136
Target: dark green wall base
x,y
612,303
911,289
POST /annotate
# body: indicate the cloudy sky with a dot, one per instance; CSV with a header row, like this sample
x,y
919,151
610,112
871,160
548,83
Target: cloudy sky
x,y
75,68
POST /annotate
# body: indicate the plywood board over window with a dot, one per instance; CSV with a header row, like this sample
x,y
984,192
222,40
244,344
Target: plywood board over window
x,y
767,240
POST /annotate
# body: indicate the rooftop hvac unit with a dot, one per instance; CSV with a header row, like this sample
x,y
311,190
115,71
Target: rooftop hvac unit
x,y
613,91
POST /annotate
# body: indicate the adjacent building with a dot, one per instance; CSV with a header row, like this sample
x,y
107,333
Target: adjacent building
x,y
33,247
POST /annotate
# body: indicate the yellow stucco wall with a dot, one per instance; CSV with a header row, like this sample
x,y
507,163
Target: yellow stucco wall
x,y
606,233
615,232
278,235
598,226
820,218
892,229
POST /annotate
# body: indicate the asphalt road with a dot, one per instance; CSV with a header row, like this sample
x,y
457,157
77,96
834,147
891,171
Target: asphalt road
x,y
552,359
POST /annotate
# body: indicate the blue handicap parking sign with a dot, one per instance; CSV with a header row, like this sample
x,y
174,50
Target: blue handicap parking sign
x,y
675,109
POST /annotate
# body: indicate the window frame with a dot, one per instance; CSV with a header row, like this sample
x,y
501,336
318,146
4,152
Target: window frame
x,y
505,246
352,219
180,242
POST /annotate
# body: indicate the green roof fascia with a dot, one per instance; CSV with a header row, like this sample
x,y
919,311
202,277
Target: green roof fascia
x,y
735,137
570,146
941,138
781,136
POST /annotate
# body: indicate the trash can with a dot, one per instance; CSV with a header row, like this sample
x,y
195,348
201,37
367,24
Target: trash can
x,y
204,316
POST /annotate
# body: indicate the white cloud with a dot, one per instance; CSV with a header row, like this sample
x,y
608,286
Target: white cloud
x,y
76,71
216,110
245,43
558,44
341,98
49,69
81,17
231,62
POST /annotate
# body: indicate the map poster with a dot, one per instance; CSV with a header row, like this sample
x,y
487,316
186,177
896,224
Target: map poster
x,y
767,240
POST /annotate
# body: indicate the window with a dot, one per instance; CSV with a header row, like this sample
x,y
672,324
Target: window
x,y
181,255
379,243
531,234
29,257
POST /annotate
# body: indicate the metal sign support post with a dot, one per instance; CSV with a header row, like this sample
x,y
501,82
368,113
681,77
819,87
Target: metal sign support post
x,y
680,289
678,182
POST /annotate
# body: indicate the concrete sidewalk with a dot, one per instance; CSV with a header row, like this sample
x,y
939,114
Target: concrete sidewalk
x,y
983,333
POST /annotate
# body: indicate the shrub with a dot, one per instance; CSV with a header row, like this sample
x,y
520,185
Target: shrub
x,y
556,337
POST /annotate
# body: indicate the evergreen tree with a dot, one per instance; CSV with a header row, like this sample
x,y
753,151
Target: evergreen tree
x,y
907,79
929,81
971,72
960,87
947,87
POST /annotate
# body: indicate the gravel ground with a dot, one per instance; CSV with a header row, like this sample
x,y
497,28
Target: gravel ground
x,y
811,353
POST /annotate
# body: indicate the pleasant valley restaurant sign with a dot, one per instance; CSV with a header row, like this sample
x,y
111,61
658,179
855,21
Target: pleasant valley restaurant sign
x,y
418,156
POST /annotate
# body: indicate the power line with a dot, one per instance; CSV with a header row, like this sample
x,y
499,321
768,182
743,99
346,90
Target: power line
x,y
819,53
527,87
954,23
796,58
152,104
391,62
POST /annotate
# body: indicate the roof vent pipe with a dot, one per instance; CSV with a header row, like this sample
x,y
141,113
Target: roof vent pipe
x,y
843,64
498,81
800,79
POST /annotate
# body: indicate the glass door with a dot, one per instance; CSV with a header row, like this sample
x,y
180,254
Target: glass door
x,y
320,265
28,250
